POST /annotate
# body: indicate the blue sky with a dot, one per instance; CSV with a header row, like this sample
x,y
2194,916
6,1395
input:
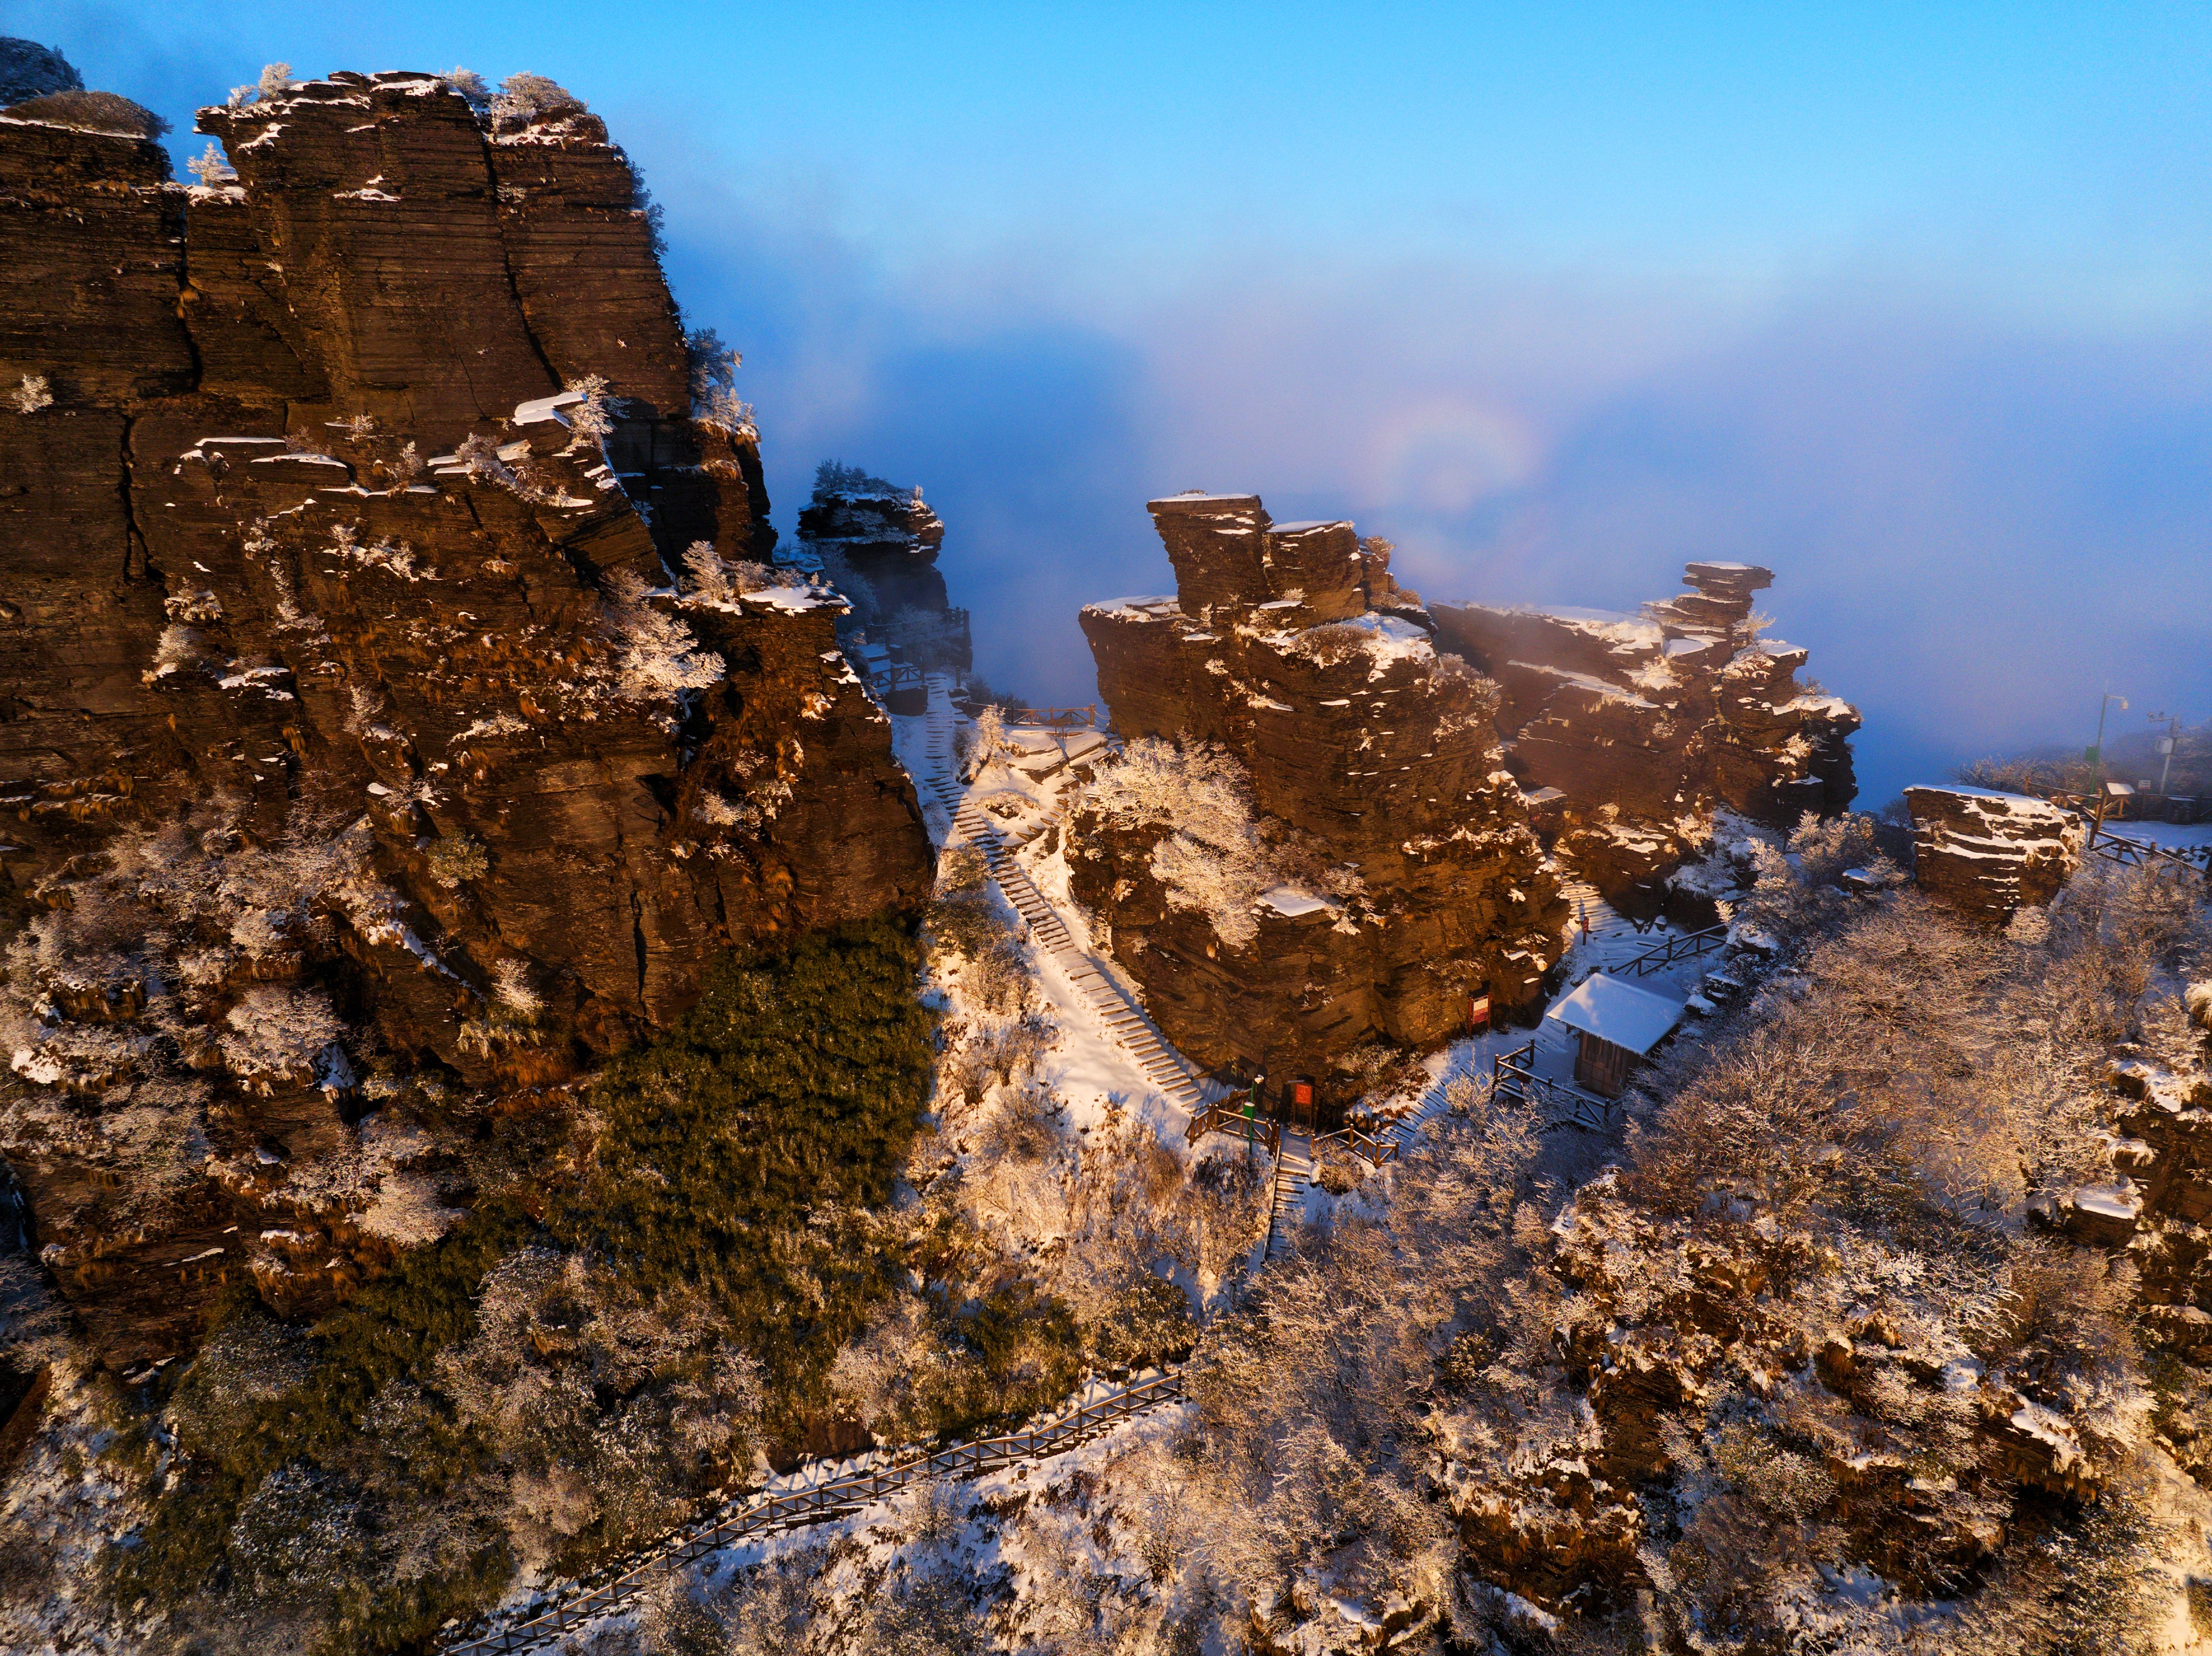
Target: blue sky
x,y
1911,302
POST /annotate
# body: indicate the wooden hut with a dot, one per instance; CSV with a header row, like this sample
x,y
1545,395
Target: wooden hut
x,y
1616,1025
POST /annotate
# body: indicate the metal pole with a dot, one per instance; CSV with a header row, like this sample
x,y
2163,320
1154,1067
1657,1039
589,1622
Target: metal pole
x,y
2173,740
2098,827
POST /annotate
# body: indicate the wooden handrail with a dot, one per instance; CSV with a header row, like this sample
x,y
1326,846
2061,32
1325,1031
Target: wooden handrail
x,y
1513,1074
1688,944
1372,1148
1054,719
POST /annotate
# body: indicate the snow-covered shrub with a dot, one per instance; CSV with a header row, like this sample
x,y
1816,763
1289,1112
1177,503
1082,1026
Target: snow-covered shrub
x,y
511,988
478,456
835,477
405,468
409,1211
1027,1125
275,82
195,605
1213,859
92,111
984,744
713,385
469,84
1330,644
457,859
1384,1075
278,1034
32,395
179,647
590,420
719,582
656,655
998,980
534,99
709,575
750,811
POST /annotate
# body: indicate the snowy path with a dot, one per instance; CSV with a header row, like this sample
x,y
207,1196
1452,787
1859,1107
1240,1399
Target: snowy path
x,y
1294,1171
821,1492
1157,1060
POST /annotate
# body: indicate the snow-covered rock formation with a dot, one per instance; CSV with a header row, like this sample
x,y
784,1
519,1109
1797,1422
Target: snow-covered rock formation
x,y
1643,725
395,692
1310,840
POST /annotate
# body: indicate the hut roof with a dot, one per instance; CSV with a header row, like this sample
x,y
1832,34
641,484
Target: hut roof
x,y
1618,1012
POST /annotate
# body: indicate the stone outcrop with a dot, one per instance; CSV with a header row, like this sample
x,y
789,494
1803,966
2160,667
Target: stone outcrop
x,y
363,755
878,544
1311,842
1629,727
1986,853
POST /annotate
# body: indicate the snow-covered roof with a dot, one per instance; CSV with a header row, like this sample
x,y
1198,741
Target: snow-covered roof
x,y
1618,1012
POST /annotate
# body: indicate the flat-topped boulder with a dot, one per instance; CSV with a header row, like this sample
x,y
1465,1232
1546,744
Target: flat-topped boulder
x,y
1987,853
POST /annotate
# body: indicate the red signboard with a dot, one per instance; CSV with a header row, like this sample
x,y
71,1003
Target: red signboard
x,y
1477,1011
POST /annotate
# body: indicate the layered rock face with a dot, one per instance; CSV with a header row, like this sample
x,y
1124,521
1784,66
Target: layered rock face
x,y
1986,853
878,542
1645,724
1310,841
363,756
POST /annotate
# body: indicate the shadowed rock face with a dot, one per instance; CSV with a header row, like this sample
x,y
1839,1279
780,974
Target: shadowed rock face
x,y
1644,722
1986,853
343,679
1399,873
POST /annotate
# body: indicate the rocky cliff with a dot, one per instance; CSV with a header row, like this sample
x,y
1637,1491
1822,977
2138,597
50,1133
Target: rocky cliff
x,y
878,544
1986,854
367,758
1645,724
1310,841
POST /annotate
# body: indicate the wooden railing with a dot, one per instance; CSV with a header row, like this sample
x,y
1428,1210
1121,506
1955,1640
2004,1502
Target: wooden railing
x,y
1682,948
1054,718
796,1508
1372,1148
1229,1115
1513,1075
2122,848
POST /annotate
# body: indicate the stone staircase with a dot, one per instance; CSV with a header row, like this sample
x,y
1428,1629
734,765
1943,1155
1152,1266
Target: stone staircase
x,y
1294,1172
1612,937
1160,1064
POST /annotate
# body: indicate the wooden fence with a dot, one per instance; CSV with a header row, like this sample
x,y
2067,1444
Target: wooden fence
x,y
796,1509
1054,718
1690,944
2123,848
1372,1148
1228,1115
2142,853
1513,1075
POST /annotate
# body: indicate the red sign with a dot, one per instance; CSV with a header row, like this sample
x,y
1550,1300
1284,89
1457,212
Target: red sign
x,y
1477,1011
1302,1094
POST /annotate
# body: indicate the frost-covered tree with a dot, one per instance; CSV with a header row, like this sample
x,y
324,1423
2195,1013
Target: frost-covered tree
x,y
1213,858
212,168
656,655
